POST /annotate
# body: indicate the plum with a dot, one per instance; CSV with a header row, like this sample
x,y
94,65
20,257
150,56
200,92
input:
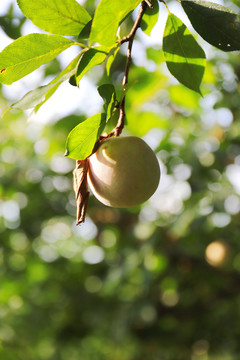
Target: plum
x,y
123,172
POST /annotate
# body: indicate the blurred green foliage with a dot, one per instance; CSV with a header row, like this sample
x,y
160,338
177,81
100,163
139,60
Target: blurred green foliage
x,y
157,282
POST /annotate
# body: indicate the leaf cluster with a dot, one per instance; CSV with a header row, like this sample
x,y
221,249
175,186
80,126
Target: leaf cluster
x,y
69,24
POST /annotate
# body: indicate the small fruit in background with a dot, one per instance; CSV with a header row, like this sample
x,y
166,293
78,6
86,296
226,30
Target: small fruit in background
x,y
123,172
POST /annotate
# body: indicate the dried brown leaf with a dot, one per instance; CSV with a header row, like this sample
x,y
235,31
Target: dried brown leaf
x,y
80,187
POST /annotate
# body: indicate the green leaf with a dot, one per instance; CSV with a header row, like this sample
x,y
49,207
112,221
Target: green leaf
x,y
150,17
85,32
112,55
64,75
66,17
27,53
82,138
184,57
40,95
32,98
106,20
217,24
108,93
90,58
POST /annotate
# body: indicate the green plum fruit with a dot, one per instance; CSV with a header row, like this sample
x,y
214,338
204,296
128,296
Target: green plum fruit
x,y
123,172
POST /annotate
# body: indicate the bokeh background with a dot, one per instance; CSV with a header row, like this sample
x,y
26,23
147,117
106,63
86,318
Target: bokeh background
x,y
157,282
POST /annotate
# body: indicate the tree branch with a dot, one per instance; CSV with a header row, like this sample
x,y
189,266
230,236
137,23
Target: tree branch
x,y
129,38
136,24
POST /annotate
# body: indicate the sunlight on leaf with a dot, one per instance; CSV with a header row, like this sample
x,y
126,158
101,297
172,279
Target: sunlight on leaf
x,y
82,138
41,94
150,18
89,59
107,18
184,57
66,17
27,53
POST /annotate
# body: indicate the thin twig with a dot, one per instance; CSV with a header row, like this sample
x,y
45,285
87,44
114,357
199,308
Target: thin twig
x,y
148,2
130,37
136,24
